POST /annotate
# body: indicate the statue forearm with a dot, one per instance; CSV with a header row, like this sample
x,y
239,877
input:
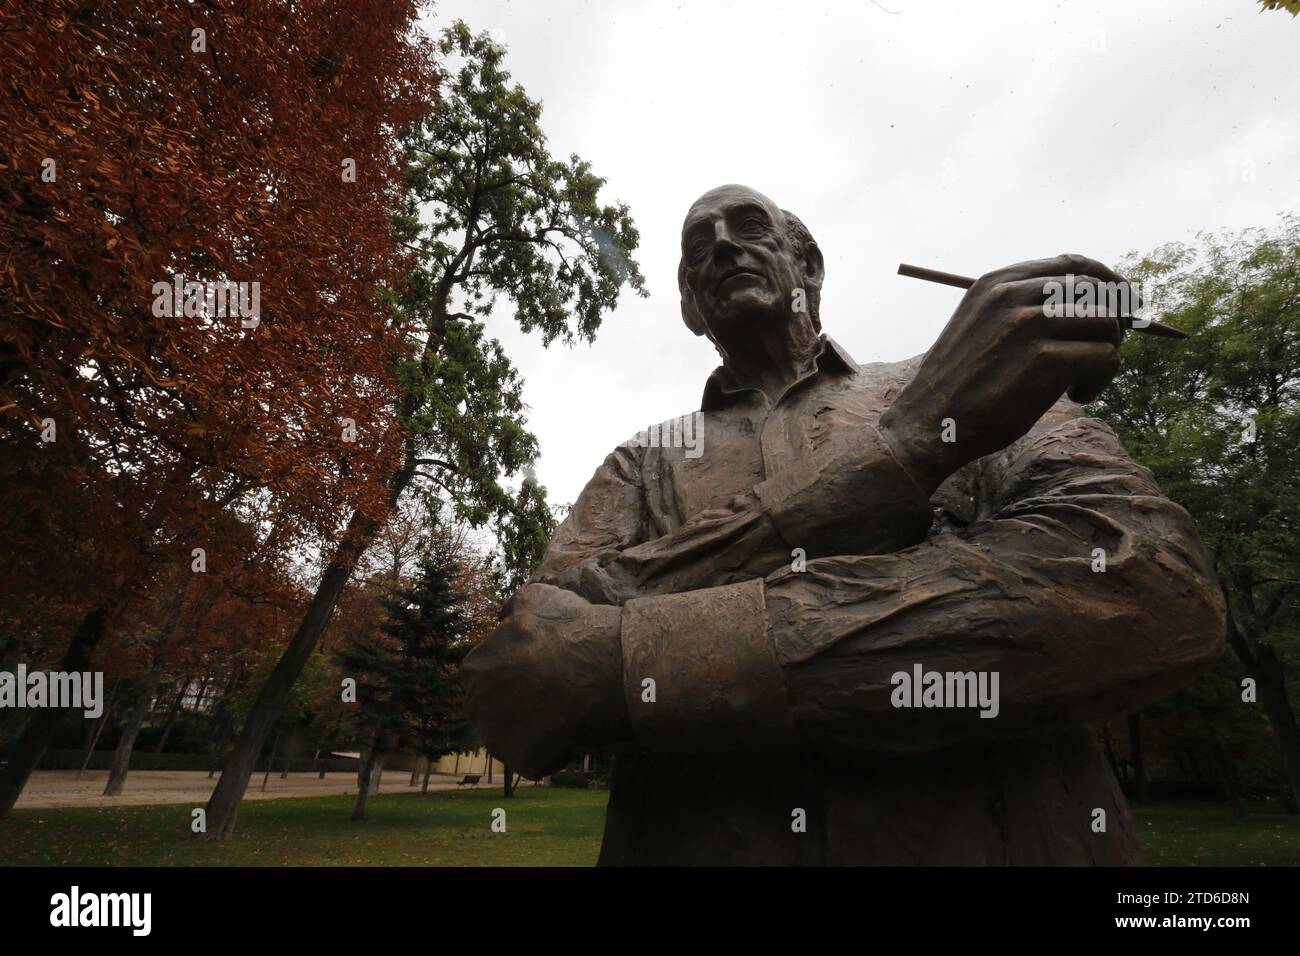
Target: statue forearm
x,y
546,684
690,647
1068,645
1018,595
852,498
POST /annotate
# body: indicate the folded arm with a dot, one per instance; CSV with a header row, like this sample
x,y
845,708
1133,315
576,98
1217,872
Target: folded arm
x,y
686,649
1020,593
851,497
549,682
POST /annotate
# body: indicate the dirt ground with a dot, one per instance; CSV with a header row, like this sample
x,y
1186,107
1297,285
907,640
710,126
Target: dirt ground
x,y
62,788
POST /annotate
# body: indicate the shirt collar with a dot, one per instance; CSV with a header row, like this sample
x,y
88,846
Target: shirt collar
x,y
721,388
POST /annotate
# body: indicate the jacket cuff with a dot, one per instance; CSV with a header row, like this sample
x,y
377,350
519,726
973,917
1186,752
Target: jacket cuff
x,y
717,684
848,498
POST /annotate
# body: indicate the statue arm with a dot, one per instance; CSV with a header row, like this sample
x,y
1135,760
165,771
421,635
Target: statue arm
x,y
549,682
806,660
852,497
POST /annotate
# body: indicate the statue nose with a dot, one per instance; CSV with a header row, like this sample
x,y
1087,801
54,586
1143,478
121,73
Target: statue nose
x,y
723,240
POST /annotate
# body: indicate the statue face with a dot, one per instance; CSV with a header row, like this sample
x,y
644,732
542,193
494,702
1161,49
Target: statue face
x,y
740,266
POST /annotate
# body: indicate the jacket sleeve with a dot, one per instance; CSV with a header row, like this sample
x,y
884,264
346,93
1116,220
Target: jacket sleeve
x,y
852,495
1020,595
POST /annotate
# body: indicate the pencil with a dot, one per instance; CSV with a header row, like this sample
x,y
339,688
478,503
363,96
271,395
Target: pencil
x,y
965,282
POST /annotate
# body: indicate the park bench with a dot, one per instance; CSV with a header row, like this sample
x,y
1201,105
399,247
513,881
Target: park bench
x,y
471,779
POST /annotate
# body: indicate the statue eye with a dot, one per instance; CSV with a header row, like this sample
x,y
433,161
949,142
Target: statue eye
x,y
752,226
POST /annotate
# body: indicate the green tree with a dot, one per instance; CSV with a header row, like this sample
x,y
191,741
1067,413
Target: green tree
x,y
1290,6
1217,420
408,684
488,212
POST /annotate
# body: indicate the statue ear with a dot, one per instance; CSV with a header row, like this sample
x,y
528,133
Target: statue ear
x,y
814,266
690,311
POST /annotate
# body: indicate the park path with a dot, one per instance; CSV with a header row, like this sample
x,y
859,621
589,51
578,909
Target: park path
x,y
61,788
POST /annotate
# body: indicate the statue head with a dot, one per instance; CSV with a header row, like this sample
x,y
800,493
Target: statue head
x,y
743,258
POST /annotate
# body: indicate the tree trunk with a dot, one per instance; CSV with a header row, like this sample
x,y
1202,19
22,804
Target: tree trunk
x,y
20,718
1143,791
1227,778
379,772
219,748
91,727
415,771
223,720
171,714
1261,663
373,755
121,765
270,760
367,748
510,786
35,739
204,686
223,806
428,769
99,728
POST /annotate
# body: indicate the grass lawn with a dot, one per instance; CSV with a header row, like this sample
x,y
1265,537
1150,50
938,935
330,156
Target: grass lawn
x,y
544,827
1206,834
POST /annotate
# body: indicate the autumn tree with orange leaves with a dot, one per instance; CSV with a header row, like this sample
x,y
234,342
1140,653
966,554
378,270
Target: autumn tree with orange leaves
x,y
147,146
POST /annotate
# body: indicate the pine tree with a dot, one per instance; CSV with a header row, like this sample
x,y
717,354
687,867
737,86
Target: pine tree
x,y
408,680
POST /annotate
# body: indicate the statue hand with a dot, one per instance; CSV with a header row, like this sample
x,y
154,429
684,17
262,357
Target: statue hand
x,y
548,682
999,364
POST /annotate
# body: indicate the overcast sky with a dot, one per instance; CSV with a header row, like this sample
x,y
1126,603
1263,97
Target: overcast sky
x,y
957,135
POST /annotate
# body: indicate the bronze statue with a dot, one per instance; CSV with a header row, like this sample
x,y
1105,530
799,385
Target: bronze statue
x,y
867,620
